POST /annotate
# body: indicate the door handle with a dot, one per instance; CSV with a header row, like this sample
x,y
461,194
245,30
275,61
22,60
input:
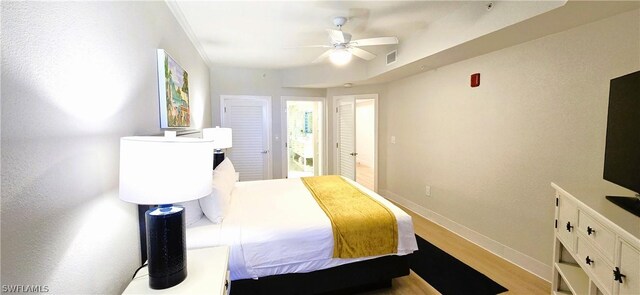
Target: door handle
x,y
264,152
353,154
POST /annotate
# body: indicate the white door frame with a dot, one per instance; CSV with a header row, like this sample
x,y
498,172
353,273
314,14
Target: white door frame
x,y
284,136
267,99
373,96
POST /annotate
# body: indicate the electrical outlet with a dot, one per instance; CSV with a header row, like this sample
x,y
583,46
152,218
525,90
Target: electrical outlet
x,y
427,191
393,139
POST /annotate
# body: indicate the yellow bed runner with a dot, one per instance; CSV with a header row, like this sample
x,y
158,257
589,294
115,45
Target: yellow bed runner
x,y
361,225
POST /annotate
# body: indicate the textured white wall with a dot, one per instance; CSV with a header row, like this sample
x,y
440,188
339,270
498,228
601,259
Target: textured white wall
x,y
260,82
76,77
490,153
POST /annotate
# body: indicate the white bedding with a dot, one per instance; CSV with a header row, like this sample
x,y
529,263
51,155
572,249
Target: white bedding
x,y
276,227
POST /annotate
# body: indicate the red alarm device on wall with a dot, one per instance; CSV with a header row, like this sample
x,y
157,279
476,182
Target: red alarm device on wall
x,y
475,80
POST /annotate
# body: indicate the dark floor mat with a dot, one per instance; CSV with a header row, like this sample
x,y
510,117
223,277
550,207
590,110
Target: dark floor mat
x,y
447,274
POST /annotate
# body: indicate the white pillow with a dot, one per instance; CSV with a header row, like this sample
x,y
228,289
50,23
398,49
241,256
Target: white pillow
x,y
193,212
226,168
215,205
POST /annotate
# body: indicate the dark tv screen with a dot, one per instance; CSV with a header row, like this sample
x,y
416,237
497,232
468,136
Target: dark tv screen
x,y
622,150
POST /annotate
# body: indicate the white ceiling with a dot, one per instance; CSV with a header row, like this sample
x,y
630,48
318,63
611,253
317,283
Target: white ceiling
x,y
261,34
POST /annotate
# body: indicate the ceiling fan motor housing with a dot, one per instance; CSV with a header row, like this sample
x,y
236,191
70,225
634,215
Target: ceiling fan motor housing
x,y
339,21
347,37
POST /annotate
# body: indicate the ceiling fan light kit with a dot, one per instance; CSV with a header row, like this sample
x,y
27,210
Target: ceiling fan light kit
x,y
340,57
342,48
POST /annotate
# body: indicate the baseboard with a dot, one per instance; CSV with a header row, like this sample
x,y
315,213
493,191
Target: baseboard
x,y
518,258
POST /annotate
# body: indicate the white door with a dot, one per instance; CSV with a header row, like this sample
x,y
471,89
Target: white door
x,y
250,121
346,137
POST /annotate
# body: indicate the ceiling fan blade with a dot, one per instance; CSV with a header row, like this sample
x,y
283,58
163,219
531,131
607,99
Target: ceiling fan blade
x,y
366,55
323,56
336,36
375,41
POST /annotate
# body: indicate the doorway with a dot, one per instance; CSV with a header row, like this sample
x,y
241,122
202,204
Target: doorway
x,y
355,136
365,142
303,134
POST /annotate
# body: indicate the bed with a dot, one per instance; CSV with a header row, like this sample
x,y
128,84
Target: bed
x,y
282,241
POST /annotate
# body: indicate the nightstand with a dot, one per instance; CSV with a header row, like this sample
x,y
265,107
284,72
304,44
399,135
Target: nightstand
x,y
207,273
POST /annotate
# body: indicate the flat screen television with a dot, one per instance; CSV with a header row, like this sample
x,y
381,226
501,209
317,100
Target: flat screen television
x,y
622,150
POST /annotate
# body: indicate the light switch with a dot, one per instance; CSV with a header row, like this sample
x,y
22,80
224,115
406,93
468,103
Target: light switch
x,y
393,139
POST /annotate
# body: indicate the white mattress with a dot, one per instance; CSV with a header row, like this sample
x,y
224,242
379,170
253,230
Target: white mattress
x,y
276,227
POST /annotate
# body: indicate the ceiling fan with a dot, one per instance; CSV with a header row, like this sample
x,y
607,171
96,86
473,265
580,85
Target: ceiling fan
x,y
342,47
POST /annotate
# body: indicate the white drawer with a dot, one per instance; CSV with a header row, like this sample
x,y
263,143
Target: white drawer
x,y
630,267
598,268
601,236
567,221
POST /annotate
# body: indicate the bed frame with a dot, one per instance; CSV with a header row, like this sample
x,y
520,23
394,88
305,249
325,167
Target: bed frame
x,y
344,279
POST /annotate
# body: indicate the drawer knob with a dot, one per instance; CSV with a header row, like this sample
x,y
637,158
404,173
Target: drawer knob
x,y
569,226
617,275
590,230
589,260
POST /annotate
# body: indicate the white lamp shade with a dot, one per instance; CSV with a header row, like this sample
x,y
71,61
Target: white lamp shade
x,y
221,137
163,170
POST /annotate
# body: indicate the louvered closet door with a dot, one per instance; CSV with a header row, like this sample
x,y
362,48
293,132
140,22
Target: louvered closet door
x,y
346,115
248,119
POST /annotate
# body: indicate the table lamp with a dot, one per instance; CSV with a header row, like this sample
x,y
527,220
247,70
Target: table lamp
x,y
161,171
222,139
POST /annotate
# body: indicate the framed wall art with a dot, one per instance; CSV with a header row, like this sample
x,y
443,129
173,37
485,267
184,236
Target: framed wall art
x,y
173,92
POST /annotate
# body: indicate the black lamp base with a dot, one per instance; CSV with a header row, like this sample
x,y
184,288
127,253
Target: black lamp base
x,y
167,281
166,247
218,157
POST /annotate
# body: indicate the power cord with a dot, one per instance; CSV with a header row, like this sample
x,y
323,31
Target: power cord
x,y
139,268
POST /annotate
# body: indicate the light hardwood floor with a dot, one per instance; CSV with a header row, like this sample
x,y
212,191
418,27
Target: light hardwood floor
x,y
512,277
364,175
